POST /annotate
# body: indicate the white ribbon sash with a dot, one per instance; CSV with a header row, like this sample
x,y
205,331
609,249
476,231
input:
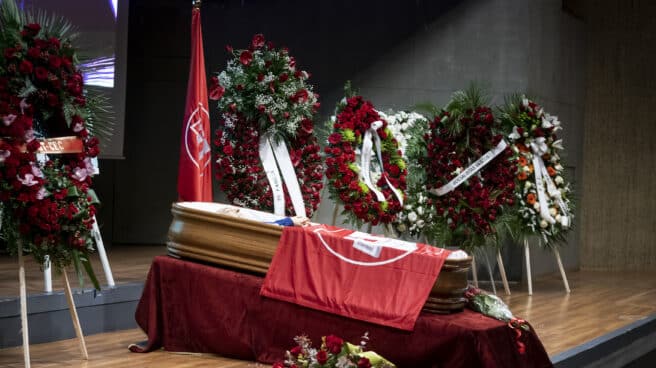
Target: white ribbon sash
x,y
274,155
365,162
542,178
471,170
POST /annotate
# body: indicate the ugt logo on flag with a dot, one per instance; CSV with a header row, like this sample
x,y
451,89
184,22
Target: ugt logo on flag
x,y
196,142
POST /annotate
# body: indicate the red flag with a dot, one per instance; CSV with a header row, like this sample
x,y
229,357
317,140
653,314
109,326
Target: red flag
x,y
194,171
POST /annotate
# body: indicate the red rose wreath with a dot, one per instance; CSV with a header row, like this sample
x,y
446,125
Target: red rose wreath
x,y
265,100
459,136
375,199
47,203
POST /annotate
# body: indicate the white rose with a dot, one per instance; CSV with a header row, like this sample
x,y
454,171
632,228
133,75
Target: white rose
x,y
412,216
558,167
559,180
420,210
407,207
543,224
420,224
553,211
536,205
528,184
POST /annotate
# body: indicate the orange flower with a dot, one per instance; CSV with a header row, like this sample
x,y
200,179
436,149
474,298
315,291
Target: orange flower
x,y
522,161
530,198
522,175
530,169
551,171
522,148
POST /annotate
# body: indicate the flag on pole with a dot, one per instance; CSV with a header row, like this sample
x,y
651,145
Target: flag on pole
x,y
194,171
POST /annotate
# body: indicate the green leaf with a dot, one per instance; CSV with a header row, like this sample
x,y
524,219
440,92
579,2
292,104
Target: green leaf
x,y
76,265
89,268
94,197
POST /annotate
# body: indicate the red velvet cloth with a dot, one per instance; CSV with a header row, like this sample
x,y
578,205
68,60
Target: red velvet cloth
x,y
193,307
319,267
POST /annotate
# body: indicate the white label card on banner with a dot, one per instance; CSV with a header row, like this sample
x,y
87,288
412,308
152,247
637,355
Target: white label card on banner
x,y
366,247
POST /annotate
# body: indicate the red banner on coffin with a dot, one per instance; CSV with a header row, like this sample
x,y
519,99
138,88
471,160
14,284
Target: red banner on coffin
x,y
356,275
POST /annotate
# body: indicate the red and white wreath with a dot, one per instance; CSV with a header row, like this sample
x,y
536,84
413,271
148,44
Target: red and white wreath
x,y
368,195
470,172
266,125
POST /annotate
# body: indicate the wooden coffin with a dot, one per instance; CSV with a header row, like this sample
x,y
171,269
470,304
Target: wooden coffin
x,y
212,233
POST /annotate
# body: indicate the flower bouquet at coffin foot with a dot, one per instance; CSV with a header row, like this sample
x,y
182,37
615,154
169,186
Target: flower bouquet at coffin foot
x,y
334,352
492,306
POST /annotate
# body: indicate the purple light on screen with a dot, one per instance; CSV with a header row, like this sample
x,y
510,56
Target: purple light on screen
x,y
114,4
99,72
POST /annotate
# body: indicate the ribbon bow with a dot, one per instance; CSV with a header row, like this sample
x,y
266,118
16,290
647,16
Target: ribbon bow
x,y
365,161
542,178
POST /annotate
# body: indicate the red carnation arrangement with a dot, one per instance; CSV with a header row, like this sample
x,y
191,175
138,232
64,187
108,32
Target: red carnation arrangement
x,y
261,94
353,118
48,204
463,132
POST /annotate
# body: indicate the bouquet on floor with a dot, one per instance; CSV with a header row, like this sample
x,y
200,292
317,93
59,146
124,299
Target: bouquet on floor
x,y
47,204
334,352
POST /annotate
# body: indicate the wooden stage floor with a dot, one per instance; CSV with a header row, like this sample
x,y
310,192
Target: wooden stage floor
x,y
600,303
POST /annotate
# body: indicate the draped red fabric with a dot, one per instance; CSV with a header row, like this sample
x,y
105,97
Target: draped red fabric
x,y
194,168
322,267
192,307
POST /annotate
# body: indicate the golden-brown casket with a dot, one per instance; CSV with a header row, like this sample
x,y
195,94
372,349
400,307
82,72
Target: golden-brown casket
x,y
213,233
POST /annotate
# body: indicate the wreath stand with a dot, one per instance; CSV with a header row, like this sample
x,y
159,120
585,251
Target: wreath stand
x,y
527,256
56,146
23,310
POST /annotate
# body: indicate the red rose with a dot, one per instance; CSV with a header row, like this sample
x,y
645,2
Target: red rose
x,y
364,363
9,52
277,365
53,100
246,57
54,61
296,350
25,67
322,357
335,138
216,90
307,126
41,73
227,149
292,62
258,41
333,342
34,52
300,95
283,77
54,42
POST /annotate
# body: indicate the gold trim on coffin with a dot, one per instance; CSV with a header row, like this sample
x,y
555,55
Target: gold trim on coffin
x,y
247,245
